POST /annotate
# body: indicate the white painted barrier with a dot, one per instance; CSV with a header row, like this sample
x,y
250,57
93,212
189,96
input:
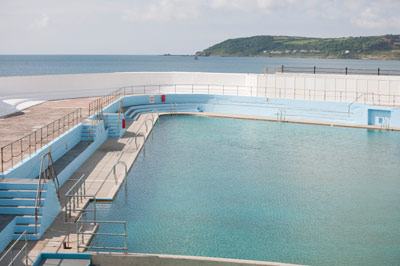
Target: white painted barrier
x,y
381,90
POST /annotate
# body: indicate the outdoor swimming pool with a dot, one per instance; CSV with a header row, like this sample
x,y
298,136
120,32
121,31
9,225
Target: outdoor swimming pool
x,y
258,190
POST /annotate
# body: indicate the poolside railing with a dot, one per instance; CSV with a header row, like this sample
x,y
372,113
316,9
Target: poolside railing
x,y
77,196
19,149
289,89
10,251
337,70
81,232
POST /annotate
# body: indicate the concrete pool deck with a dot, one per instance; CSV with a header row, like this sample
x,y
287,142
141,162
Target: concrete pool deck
x,y
99,182
19,124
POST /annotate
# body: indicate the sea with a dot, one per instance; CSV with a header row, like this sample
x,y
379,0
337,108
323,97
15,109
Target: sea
x,y
27,65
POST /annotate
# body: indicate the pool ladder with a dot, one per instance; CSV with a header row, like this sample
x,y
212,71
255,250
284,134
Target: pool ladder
x,y
281,114
385,123
173,108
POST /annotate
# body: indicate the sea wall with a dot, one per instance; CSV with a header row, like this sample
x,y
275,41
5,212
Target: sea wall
x,y
381,90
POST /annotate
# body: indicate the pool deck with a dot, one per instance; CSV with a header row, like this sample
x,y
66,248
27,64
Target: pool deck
x,y
19,124
100,182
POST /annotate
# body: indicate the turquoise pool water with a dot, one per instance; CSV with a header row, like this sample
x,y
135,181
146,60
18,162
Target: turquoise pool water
x,y
260,190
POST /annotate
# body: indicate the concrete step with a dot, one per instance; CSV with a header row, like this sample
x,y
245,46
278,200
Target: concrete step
x,y
20,228
21,186
19,201
19,210
27,219
86,134
31,236
13,193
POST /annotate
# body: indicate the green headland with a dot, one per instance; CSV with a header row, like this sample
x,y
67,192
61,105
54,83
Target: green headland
x,y
368,47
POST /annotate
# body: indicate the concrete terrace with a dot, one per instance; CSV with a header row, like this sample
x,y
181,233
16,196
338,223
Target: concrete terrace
x,y
98,172
22,123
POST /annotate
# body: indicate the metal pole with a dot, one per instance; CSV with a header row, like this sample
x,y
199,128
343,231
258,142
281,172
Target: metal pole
x,y
2,154
30,152
125,244
12,155
77,236
20,142
94,212
26,248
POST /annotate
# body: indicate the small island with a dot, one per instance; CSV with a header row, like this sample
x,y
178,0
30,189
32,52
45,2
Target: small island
x,y
386,47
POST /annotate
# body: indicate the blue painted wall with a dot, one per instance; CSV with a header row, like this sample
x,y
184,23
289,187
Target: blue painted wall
x,y
50,209
6,234
29,168
101,137
334,112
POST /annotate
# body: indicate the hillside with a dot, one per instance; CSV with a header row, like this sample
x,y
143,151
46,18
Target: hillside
x,y
372,47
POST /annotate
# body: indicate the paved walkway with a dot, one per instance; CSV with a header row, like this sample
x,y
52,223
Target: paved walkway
x,y
100,181
18,125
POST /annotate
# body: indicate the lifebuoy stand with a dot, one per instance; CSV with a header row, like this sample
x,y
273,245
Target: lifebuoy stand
x,y
163,98
123,123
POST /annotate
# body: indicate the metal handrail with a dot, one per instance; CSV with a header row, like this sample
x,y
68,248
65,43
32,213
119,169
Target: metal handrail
x,y
30,143
79,233
75,195
48,172
345,71
355,100
114,170
10,249
140,134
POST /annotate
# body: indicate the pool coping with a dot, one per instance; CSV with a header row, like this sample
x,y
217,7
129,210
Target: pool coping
x,y
271,119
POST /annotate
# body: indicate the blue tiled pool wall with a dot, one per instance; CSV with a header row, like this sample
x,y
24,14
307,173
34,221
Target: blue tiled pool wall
x,y
330,112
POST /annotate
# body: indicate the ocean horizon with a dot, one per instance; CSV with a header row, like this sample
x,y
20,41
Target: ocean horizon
x,y
28,65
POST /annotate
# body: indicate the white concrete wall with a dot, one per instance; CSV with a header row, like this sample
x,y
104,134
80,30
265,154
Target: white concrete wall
x,y
383,90
82,85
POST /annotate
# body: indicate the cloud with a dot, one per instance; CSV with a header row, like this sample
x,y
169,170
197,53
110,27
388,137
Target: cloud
x,y
163,10
374,16
168,10
40,23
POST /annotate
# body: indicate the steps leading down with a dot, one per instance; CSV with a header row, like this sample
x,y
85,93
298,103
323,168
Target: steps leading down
x,y
18,198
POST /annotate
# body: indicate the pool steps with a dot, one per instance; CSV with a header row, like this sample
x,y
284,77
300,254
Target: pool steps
x,y
18,198
274,111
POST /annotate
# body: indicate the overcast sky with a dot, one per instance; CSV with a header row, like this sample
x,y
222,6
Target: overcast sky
x,y
179,26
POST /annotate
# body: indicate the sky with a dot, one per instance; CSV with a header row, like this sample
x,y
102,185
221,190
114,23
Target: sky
x,y
180,26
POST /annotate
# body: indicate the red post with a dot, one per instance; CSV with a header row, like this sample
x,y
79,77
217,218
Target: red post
x,y
123,123
163,98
